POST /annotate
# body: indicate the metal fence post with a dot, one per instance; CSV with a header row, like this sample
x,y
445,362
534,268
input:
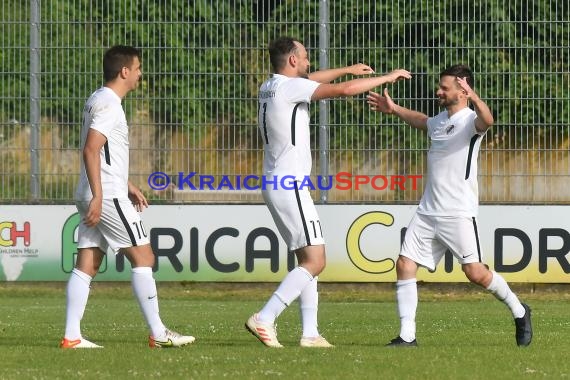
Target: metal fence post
x,y
34,97
323,104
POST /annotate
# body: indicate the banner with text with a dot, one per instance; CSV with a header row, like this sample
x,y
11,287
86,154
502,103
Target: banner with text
x,y
241,243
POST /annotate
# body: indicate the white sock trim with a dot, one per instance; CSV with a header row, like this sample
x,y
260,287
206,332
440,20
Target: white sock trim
x,y
306,272
142,270
82,275
406,282
281,299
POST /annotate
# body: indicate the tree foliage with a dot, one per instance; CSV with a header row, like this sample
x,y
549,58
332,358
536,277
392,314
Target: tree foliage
x,y
203,62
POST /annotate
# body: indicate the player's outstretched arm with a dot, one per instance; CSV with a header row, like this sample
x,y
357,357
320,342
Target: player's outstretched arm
x,y
386,105
358,86
328,75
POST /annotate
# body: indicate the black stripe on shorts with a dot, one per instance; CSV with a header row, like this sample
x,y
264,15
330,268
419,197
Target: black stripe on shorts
x,y
125,222
307,236
477,238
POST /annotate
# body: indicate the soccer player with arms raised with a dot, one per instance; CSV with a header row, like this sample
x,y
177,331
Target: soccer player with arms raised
x,y
283,121
446,216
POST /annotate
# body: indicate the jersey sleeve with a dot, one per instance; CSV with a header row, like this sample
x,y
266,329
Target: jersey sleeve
x,y
104,118
472,119
299,90
430,125
469,121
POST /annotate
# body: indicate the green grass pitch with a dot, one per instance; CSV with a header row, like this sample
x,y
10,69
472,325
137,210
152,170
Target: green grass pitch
x,y
463,333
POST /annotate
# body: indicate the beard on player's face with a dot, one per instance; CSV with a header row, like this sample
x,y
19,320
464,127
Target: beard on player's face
x,y
448,101
303,72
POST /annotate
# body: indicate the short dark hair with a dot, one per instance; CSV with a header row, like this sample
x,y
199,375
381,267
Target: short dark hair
x,y
460,71
279,51
116,58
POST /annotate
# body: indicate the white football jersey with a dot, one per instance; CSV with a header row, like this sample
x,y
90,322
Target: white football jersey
x,y
104,113
451,188
283,119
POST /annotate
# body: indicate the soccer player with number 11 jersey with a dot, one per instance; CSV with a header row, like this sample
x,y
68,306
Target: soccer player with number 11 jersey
x,y
283,120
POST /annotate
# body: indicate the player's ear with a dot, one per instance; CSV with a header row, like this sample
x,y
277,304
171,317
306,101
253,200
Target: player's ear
x,y
124,72
292,60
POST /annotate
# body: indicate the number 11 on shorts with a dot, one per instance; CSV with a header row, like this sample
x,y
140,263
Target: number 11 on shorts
x,y
317,230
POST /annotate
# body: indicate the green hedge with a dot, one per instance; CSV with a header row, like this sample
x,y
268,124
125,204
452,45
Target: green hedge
x,y
204,60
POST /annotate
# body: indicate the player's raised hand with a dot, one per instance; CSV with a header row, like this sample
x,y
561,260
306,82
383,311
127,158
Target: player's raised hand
x,y
465,86
360,69
398,74
380,103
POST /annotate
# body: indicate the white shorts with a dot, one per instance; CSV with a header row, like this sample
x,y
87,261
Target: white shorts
x,y
120,226
428,237
295,216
